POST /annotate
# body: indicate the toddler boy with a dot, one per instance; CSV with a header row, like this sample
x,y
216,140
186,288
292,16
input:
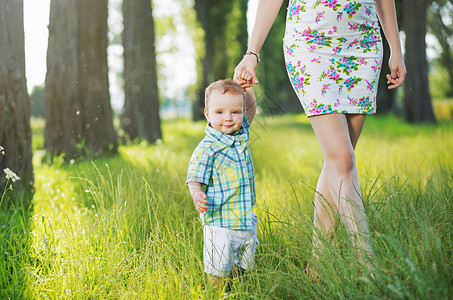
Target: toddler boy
x,y
221,180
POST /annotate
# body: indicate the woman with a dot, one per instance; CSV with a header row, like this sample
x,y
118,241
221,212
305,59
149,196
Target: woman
x,y
333,54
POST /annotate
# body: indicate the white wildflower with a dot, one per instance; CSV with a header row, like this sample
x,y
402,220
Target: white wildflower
x,y
2,150
11,175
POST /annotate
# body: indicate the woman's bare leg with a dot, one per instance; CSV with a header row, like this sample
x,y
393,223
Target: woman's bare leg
x,y
325,213
338,183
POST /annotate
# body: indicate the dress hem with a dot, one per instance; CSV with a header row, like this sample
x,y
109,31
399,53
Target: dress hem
x,y
343,113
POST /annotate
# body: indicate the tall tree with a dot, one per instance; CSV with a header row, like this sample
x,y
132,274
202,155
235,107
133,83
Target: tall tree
x,y
242,35
98,130
64,119
78,109
444,35
236,35
15,132
214,16
417,99
141,106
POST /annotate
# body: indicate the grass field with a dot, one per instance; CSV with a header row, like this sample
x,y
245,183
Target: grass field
x,y
125,227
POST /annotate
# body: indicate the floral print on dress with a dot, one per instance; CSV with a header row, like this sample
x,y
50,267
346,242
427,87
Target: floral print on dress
x,y
321,108
333,54
294,9
331,4
352,8
316,37
346,64
298,76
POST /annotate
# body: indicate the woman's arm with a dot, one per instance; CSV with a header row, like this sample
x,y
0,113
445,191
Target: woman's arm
x,y
387,17
265,17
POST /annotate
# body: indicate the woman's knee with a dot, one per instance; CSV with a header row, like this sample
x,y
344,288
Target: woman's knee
x,y
341,161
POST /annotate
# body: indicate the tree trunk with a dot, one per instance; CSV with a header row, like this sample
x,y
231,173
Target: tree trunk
x,y
243,35
443,33
141,106
213,17
417,99
78,110
93,82
15,132
64,127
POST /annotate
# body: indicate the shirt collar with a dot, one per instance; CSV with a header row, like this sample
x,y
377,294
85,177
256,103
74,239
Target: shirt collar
x,y
222,137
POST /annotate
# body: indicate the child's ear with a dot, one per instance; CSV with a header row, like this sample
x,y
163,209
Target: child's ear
x,y
206,114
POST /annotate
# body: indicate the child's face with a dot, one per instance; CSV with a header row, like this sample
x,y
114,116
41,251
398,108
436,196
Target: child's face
x,y
225,112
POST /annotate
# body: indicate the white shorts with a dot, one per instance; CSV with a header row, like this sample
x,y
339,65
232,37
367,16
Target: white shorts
x,y
223,247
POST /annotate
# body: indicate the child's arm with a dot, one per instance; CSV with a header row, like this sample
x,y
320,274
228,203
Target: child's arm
x,y
250,103
198,196
244,78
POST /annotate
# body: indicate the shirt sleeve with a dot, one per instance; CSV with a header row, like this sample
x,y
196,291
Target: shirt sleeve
x,y
200,165
246,122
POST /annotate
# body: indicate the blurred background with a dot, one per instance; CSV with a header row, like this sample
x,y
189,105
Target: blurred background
x,y
179,45
108,72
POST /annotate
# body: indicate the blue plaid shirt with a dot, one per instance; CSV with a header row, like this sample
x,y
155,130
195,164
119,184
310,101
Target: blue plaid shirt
x,y
223,164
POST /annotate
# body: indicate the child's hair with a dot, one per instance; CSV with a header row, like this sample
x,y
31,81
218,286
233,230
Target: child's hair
x,y
224,86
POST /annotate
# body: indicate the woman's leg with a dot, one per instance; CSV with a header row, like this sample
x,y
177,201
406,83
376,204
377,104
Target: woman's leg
x,y
337,135
355,125
324,214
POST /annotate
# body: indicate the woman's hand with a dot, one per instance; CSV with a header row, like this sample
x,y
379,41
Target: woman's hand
x,y
246,69
398,71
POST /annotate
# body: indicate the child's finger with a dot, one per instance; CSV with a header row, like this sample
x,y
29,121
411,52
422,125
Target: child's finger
x,y
202,208
201,200
246,76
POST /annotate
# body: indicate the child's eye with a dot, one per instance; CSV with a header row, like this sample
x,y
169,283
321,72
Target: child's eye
x,y
236,112
219,112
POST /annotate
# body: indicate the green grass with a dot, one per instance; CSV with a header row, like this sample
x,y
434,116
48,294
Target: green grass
x,y
125,227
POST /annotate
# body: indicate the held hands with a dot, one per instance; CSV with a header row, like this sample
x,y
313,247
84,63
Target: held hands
x,y
200,201
244,73
398,72
244,78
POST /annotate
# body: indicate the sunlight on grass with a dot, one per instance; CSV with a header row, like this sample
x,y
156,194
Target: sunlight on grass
x,y
125,227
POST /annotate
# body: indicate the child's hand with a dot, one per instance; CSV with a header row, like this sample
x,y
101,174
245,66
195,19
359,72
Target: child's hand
x,y
200,201
244,78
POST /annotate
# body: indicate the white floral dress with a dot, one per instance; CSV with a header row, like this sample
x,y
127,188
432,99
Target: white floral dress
x,y
333,55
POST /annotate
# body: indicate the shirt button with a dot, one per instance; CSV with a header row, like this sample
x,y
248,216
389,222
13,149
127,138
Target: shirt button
x,y
240,151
